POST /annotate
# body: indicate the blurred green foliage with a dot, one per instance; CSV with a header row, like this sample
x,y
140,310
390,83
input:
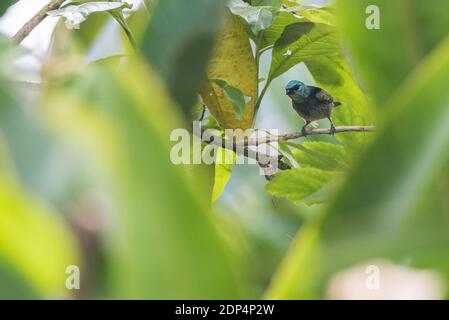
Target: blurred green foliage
x,y
86,177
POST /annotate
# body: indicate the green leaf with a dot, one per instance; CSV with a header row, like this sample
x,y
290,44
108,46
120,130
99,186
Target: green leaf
x,y
35,241
74,15
402,164
234,95
271,3
224,162
303,259
408,30
298,183
233,62
178,43
316,15
300,42
332,73
126,119
258,18
274,32
321,155
391,204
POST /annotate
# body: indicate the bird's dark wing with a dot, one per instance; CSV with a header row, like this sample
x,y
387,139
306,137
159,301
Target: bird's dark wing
x,y
322,95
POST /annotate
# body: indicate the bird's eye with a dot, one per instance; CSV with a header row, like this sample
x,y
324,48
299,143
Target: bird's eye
x,y
296,87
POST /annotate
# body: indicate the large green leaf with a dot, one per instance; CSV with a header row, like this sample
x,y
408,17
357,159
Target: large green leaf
x,y
321,155
406,156
301,42
5,4
178,43
298,183
408,30
224,162
35,241
233,62
382,210
75,14
166,242
258,18
234,95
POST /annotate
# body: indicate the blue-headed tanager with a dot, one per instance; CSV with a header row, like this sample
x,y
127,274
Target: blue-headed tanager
x,y
311,103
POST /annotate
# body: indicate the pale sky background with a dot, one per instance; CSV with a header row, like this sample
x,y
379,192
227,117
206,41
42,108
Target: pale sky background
x,y
38,41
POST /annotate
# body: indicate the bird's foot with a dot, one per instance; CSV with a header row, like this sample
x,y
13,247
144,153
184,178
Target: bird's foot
x,y
332,130
304,132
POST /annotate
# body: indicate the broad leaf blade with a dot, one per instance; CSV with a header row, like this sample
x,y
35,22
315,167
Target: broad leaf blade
x,y
235,97
408,30
298,183
332,73
258,18
35,241
321,155
5,4
224,162
164,224
74,15
233,62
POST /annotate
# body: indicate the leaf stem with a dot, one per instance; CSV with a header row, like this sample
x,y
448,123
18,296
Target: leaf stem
x,y
260,97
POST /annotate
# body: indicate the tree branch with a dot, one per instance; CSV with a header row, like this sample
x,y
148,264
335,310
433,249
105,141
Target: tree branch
x,y
299,134
270,163
35,21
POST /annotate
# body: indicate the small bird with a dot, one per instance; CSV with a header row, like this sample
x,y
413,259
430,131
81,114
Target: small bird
x,y
311,103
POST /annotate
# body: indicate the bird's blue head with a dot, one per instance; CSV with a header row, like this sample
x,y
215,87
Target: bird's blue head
x,y
296,88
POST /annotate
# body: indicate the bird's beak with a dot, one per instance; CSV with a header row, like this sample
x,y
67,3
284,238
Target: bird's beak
x,y
288,92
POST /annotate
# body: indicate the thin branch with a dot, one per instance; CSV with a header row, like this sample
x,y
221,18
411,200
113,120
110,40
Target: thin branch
x,y
299,134
269,163
35,21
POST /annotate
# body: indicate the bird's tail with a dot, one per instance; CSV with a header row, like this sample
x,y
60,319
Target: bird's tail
x,y
337,103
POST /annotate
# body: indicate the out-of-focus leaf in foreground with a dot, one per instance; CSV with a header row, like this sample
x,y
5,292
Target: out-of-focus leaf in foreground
x,y
258,17
166,242
233,62
35,241
224,162
381,211
409,29
298,183
178,43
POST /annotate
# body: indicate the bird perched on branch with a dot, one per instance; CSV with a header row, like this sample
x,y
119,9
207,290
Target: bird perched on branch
x,y
311,103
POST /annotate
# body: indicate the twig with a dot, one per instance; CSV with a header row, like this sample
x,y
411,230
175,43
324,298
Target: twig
x,y
268,163
299,134
35,21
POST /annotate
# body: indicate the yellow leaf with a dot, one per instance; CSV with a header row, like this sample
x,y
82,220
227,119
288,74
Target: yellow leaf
x,y
233,62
